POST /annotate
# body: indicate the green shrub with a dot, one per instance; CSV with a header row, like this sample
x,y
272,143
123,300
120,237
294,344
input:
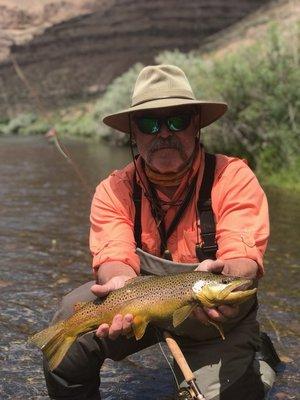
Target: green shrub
x,y
24,124
261,85
37,127
84,125
17,124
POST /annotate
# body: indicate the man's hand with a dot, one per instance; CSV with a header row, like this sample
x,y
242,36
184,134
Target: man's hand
x,y
120,325
113,276
221,313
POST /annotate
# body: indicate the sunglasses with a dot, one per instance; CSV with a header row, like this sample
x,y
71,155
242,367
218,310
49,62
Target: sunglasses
x,y
152,125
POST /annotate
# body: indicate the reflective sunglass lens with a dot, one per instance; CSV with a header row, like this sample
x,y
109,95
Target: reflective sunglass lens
x,y
148,125
178,123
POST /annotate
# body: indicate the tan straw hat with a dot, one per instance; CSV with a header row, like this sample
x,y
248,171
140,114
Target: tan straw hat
x,y
161,86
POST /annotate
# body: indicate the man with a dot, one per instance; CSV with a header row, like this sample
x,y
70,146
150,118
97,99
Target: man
x,y
174,202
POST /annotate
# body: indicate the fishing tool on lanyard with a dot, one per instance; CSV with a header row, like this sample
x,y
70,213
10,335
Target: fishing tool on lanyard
x,y
193,391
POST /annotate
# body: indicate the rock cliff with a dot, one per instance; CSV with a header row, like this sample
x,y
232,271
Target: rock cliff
x,y
70,50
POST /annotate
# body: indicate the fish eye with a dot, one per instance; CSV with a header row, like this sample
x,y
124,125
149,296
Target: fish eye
x,y
225,281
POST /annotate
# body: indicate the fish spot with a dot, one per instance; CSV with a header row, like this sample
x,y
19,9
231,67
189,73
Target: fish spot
x,y
225,281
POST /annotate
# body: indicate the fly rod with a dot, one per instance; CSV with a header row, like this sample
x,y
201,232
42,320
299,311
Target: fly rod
x,y
183,365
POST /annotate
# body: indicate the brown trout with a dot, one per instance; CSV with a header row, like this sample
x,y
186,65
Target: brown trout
x,y
152,299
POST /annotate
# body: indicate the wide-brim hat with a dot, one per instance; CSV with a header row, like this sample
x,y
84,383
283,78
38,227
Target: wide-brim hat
x,y
162,86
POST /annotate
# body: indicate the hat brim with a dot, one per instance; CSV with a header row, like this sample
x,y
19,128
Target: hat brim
x,y
210,111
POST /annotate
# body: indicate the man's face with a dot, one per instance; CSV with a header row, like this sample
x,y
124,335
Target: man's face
x,y
166,151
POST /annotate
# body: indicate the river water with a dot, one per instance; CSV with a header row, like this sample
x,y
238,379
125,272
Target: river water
x,y
44,223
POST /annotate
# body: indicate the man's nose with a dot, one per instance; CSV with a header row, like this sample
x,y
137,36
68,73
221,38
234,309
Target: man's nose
x,y
164,131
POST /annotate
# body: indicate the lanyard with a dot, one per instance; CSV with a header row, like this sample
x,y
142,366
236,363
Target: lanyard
x,y
159,214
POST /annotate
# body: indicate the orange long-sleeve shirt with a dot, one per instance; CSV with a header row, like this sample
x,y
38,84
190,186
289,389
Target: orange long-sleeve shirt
x,y
239,204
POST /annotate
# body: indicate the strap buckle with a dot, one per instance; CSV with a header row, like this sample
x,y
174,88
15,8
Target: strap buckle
x,y
209,248
209,244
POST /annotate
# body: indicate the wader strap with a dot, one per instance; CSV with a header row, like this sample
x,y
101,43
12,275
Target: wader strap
x,y
137,199
209,246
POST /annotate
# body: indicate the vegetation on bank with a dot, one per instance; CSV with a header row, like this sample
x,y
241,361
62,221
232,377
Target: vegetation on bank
x,y
259,82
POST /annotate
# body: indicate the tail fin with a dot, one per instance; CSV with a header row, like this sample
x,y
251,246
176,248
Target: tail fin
x,y
54,343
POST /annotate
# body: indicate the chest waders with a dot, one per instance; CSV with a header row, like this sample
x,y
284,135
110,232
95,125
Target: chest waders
x,y
207,249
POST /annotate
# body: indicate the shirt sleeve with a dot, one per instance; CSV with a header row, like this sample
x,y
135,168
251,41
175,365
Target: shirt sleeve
x,y
242,214
111,232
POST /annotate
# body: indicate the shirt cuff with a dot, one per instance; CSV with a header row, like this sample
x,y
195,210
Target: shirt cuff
x,y
114,251
241,245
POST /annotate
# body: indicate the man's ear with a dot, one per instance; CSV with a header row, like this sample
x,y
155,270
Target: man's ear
x,y
133,141
131,131
197,120
132,137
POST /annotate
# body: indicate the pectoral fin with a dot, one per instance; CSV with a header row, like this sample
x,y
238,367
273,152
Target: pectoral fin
x,y
182,313
139,326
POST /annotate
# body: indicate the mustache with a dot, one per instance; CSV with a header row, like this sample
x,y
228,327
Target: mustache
x,y
171,142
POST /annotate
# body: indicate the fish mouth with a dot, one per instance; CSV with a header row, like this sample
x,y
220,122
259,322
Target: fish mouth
x,y
235,292
238,286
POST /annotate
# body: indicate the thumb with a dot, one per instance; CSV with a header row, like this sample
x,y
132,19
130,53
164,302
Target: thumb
x,y
211,266
114,283
102,290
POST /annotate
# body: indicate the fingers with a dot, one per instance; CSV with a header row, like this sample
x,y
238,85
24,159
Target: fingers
x,y
220,314
127,323
120,326
102,331
204,315
200,315
215,315
229,311
116,327
211,266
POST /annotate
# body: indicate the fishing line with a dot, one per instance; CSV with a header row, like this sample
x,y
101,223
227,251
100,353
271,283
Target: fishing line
x,y
166,358
66,154
52,132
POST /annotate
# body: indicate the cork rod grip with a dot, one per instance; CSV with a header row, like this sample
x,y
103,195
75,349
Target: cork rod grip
x,y
179,357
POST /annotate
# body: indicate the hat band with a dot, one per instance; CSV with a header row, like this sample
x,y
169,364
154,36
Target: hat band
x,y
163,94
161,98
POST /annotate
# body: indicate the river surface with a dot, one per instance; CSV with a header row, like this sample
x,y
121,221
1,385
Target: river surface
x,y
44,226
